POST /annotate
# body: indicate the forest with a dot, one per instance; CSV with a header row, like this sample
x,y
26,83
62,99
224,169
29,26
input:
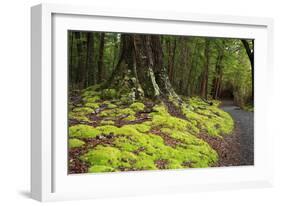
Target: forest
x,y
146,102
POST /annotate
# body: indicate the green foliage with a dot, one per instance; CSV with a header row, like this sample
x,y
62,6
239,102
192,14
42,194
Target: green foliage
x,y
130,118
143,128
91,99
100,168
208,118
92,105
92,88
73,142
111,106
162,119
80,113
107,122
137,147
83,131
109,94
78,116
139,151
83,110
116,112
137,106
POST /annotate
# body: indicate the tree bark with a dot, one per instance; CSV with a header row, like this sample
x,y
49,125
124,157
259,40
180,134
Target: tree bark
x,y
80,74
218,74
140,68
90,59
71,70
182,70
171,58
100,58
205,75
189,87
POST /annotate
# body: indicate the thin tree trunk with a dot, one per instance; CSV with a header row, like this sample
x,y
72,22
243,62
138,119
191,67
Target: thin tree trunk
x,y
89,58
81,68
71,70
188,86
114,53
171,61
204,82
182,71
100,58
250,54
218,74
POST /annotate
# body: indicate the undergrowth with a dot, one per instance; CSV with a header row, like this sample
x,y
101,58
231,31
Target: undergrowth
x,y
144,145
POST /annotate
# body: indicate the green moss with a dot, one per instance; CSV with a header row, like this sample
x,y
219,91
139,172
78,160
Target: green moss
x,y
208,118
91,99
111,106
109,94
116,112
145,162
83,131
135,150
143,128
130,118
83,110
78,116
107,122
103,156
79,113
126,111
137,106
90,93
100,168
128,98
92,88
134,147
106,129
162,119
73,142
92,105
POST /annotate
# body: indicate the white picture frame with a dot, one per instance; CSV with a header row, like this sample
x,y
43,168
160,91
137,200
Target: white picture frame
x,y
49,179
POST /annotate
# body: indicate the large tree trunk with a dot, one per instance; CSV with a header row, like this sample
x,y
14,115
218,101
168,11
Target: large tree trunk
x,y
140,68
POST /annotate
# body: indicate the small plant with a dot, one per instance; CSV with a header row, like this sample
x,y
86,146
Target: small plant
x,y
73,143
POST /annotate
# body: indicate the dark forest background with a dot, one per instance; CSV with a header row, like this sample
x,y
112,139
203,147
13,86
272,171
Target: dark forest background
x,y
213,68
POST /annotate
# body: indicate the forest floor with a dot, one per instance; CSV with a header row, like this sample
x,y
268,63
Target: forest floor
x,y
109,134
244,121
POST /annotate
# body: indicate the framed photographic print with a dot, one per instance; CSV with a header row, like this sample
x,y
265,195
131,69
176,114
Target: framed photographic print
x,y
138,102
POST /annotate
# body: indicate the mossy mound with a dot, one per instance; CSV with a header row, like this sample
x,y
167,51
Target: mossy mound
x,y
157,141
137,106
135,150
73,142
208,118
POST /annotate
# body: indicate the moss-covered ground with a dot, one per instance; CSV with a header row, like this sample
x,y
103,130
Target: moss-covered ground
x,y
109,134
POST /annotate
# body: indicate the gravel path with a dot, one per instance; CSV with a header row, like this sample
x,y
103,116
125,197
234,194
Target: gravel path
x,y
245,122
